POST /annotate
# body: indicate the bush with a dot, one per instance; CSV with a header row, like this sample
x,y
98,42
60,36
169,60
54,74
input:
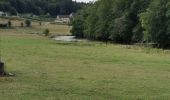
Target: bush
x,y
22,24
46,32
40,23
3,25
9,23
28,23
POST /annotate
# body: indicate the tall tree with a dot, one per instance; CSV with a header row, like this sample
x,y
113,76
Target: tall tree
x,y
156,23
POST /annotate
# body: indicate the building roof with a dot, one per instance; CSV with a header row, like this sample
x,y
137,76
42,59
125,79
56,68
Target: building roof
x,y
1,12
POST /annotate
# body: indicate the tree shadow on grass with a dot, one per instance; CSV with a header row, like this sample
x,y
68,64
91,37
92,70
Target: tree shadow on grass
x,y
75,44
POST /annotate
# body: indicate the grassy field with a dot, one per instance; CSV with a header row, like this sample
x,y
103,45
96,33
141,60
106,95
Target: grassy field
x,y
55,29
51,70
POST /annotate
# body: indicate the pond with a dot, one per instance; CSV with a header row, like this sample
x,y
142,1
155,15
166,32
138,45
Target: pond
x,y
66,38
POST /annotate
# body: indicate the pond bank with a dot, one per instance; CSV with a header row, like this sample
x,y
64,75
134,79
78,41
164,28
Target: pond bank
x,y
67,38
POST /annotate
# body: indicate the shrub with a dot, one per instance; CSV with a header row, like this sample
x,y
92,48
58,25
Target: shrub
x,y
40,23
3,25
46,32
22,24
28,23
9,23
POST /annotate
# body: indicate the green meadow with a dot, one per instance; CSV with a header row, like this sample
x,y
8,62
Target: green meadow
x,y
46,69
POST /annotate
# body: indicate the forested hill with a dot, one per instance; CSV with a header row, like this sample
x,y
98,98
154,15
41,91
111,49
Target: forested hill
x,y
40,7
125,21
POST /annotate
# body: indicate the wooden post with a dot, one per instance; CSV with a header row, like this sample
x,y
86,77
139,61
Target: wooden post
x,y
2,72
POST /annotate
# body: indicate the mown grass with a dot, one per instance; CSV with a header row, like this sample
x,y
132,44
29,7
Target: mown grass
x,y
52,70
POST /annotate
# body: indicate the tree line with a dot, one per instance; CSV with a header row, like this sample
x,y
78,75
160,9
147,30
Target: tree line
x,y
125,22
40,7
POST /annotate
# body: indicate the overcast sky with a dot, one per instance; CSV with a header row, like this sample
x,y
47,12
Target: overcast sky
x,y
83,0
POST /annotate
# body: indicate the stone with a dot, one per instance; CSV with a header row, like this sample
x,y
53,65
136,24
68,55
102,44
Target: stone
x,y
11,74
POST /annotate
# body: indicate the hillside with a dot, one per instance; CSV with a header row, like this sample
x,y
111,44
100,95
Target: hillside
x,y
40,7
46,69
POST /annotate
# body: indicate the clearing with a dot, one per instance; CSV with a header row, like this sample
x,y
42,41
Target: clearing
x,y
53,70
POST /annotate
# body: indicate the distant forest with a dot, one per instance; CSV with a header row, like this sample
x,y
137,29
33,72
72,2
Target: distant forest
x,y
125,22
40,7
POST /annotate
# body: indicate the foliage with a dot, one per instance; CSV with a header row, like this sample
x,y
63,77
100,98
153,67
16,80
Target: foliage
x,y
40,7
156,23
126,21
115,20
78,24
9,23
28,23
46,32
3,25
22,24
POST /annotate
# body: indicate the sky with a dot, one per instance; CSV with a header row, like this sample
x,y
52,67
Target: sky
x,y
84,0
